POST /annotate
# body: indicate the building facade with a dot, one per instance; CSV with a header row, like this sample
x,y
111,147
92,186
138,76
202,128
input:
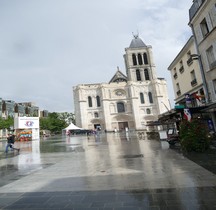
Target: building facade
x,y
128,101
203,24
186,77
10,108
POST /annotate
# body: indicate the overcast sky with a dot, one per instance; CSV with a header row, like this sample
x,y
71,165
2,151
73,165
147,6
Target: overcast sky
x,y
49,46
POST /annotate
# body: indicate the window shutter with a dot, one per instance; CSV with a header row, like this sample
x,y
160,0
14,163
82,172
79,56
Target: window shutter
x,y
209,23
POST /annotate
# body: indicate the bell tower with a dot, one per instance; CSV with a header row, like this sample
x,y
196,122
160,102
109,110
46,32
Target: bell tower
x,y
139,62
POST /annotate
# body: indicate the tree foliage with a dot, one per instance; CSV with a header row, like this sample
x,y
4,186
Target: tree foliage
x,y
67,117
6,123
54,123
194,136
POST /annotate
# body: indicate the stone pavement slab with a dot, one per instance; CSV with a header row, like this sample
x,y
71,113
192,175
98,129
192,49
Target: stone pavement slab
x,y
112,171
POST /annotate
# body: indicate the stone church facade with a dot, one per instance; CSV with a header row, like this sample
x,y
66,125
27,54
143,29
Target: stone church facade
x,y
128,101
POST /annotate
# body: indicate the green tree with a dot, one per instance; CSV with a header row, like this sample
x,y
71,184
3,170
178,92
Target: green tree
x,y
67,117
194,136
6,123
53,123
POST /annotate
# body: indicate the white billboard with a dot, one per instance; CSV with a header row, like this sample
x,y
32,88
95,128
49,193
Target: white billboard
x,y
26,122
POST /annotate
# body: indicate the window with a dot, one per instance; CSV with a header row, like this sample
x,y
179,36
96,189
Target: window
x,y
177,86
96,115
189,58
204,27
134,59
193,78
150,98
211,57
146,74
193,75
138,76
189,54
120,107
98,101
175,75
89,101
145,58
148,111
178,89
140,59
181,69
142,101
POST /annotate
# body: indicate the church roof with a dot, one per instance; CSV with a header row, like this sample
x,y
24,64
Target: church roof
x,y
118,77
137,42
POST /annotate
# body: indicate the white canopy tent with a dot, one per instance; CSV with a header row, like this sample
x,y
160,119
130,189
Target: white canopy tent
x,y
72,127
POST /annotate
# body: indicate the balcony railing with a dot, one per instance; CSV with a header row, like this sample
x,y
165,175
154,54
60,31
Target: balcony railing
x,y
181,69
193,82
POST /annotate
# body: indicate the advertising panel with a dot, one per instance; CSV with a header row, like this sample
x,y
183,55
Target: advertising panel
x,y
27,122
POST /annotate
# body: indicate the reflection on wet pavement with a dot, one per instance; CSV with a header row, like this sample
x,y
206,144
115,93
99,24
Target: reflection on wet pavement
x,y
107,171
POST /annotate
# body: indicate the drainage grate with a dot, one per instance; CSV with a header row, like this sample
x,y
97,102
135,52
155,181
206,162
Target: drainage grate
x,y
132,156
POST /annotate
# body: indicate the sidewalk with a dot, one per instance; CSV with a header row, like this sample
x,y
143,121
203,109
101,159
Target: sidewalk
x,y
104,172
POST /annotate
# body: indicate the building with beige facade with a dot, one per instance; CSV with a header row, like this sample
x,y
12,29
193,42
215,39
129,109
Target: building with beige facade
x,y
203,24
128,101
186,76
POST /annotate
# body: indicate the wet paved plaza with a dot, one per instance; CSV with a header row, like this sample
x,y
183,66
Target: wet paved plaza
x,y
107,171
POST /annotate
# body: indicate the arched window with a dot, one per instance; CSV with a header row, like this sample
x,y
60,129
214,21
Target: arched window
x,y
142,101
150,98
138,76
146,74
134,59
96,115
120,107
89,101
140,59
148,111
145,58
98,101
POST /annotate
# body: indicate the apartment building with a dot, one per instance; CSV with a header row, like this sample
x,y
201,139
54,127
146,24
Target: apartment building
x,y
186,77
202,21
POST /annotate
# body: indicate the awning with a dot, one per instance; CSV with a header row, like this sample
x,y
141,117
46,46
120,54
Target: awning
x,y
210,108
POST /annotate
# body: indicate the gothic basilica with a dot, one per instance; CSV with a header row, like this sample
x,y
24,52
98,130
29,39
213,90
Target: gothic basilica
x,y
126,102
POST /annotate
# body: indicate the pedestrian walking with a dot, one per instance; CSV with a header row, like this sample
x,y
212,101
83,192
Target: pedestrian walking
x,y
10,143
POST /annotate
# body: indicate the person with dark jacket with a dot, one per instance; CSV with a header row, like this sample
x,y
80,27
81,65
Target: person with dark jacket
x,y
10,143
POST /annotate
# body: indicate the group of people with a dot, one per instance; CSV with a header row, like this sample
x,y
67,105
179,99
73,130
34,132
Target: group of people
x,y
10,143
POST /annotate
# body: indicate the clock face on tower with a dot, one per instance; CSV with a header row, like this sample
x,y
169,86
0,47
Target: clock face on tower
x,y
119,92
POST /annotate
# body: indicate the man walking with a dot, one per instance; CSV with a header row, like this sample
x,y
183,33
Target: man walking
x,y
10,143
